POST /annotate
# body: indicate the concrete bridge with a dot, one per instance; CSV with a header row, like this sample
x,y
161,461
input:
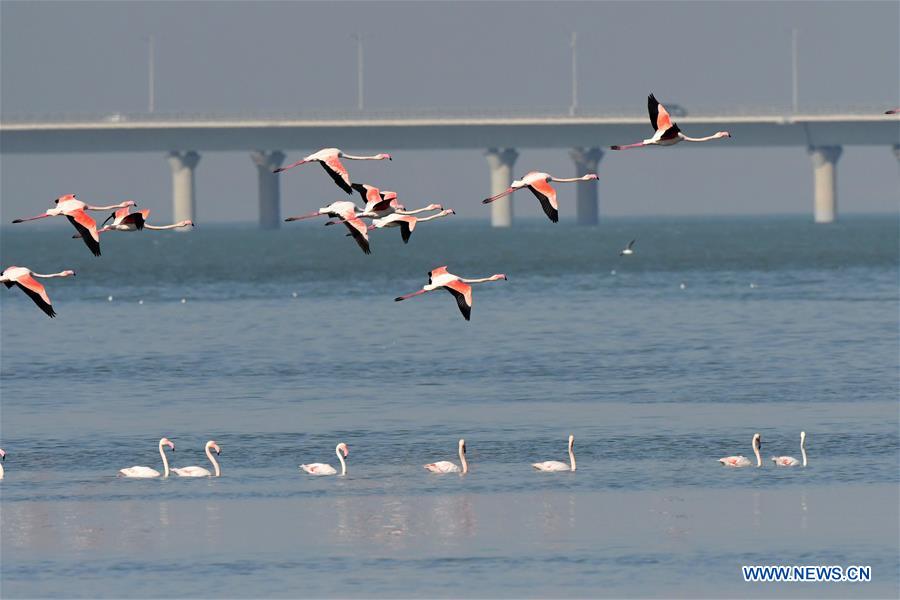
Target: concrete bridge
x,y
183,138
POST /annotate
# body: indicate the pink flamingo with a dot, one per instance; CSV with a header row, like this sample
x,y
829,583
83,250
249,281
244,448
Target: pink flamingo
x,y
123,220
2,457
445,466
893,111
380,203
667,132
329,158
440,278
346,212
790,461
147,472
25,279
406,223
200,471
323,469
555,465
743,461
539,184
73,209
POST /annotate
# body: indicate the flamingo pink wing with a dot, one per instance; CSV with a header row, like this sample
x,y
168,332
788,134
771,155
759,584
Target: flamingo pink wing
x,y
545,193
663,120
359,231
435,272
463,293
338,172
36,292
87,227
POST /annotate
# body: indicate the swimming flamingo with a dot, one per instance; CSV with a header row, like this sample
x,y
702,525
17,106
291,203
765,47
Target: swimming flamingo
x,y
346,212
743,461
406,223
200,471
667,132
445,466
147,472
539,184
555,465
2,457
323,469
329,158
73,209
790,461
25,279
440,278
627,251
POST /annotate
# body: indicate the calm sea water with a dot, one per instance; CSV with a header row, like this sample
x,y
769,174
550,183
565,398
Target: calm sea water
x,y
289,342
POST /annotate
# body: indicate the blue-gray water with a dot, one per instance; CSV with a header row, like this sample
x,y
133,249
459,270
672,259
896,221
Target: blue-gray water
x,y
781,326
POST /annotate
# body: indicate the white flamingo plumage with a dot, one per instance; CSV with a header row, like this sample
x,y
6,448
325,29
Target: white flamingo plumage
x,y
342,451
406,223
555,465
124,220
539,184
24,278
330,159
2,457
200,471
667,132
445,466
439,278
743,461
74,210
790,461
346,213
147,472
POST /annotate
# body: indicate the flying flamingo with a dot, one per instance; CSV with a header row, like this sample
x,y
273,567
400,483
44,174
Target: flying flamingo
x,y
123,220
147,472
893,111
25,279
323,469
555,465
2,457
445,466
539,184
74,209
667,132
743,461
380,204
440,278
200,471
346,212
329,158
406,223
627,251
790,461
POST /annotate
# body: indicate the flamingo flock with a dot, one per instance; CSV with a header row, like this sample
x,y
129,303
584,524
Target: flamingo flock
x,y
384,211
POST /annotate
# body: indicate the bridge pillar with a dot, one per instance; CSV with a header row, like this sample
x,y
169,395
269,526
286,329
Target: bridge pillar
x,y
269,187
501,162
824,159
587,207
184,205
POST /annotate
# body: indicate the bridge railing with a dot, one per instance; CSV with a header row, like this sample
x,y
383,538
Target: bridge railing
x,y
629,112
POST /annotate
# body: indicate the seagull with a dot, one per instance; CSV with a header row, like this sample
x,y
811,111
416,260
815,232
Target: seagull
x,y
628,251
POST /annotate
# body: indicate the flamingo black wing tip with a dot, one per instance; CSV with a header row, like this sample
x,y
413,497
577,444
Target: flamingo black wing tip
x,y
615,147
398,299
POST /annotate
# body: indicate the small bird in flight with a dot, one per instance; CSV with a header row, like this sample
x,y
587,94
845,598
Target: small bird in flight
x,y
627,251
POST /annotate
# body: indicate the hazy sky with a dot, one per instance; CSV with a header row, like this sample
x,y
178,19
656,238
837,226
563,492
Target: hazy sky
x,y
88,57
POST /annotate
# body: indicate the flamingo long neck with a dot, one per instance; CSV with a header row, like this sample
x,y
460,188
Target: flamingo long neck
x,y
756,452
803,449
703,139
351,157
60,274
482,280
571,456
165,460
463,461
212,459
1,471
434,216
159,227
414,212
568,179
110,207
341,458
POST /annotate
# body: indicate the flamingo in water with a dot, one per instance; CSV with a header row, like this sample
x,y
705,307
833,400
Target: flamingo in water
x,y
25,279
445,466
667,132
743,461
2,457
539,184
342,451
555,465
147,472
330,159
790,461
73,209
459,287
346,212
200,471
